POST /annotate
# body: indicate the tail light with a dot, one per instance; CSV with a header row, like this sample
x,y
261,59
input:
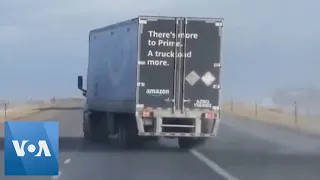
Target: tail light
x,y
147,118
146,114
210,115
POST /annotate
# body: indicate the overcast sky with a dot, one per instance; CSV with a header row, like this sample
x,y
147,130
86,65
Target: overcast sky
x,y
267,44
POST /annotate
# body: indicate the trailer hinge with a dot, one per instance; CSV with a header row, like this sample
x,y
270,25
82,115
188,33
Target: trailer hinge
x,y
219,24
143,21
141,62
216,86
217,65
169,100
141,84
186,100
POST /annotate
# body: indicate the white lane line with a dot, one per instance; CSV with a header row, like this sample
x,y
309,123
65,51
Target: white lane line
x,y
57,176
67,161
212,165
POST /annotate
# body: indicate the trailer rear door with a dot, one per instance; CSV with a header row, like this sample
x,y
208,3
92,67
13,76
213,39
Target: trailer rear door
x,y
156,65
179,63
202,66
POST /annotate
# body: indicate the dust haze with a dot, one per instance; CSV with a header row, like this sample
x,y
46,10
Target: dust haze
x,y
269,125
269,47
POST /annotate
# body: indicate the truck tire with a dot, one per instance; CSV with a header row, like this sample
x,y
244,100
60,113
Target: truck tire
x,y
90,132
128,134
92,135
85,128
86,135
123,138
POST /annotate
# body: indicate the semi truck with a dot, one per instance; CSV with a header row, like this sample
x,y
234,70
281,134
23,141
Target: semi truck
x,y
153,77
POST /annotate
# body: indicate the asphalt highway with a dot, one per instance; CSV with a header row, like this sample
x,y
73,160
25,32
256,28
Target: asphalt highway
x,y
244,150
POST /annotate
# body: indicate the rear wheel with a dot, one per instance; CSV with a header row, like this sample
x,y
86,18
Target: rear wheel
x,y
86,128
91,134
86,135
128,134
93,129
123,136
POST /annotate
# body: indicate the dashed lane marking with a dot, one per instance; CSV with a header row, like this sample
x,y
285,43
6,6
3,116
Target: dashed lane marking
x,y
212,165
67,161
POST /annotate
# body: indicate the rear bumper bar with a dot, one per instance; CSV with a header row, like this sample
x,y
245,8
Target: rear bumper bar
x,y
167,134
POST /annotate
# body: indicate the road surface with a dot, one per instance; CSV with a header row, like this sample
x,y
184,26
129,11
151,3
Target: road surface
x,y
244,150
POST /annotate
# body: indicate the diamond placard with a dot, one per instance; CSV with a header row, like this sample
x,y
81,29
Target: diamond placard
x,y
208,78
192,78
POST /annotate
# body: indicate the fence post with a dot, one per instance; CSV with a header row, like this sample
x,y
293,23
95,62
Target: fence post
x,y
231,108
295,113
256,109
5,110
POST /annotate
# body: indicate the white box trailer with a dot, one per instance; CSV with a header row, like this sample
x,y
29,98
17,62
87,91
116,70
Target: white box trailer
x,y
154,77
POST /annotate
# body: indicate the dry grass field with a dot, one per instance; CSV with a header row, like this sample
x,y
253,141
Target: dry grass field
x,y
15,111
273,115
21,111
